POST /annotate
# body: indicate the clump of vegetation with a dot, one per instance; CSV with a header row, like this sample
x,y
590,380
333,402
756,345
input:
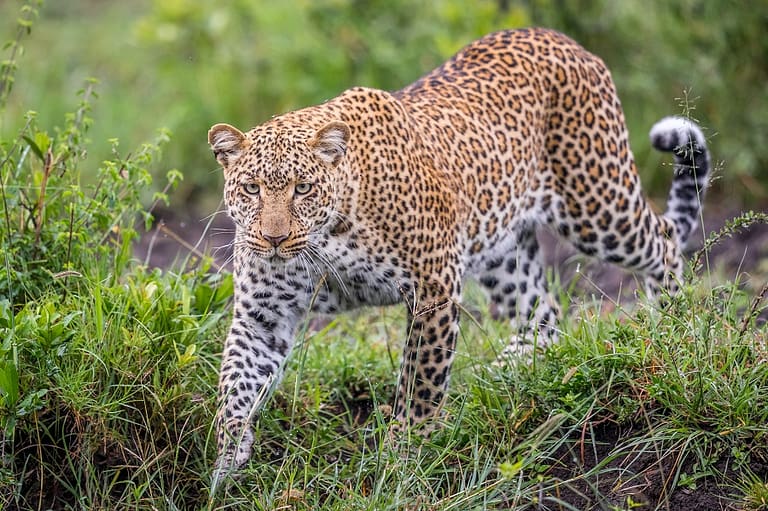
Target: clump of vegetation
x,y
108,372
99,356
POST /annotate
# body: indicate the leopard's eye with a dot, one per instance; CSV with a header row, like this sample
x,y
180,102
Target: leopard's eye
x,y
251,188
303,188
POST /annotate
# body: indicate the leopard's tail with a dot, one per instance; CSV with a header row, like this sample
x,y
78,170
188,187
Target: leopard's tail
x,y
684,139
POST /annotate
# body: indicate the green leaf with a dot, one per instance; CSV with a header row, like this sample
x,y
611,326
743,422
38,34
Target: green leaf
x,y
9,383
35,149
510,470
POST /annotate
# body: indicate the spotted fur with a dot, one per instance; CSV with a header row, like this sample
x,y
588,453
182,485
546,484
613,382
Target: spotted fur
x,y
376,198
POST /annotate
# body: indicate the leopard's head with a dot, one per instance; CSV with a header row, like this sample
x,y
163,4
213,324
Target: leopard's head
x,y
281,184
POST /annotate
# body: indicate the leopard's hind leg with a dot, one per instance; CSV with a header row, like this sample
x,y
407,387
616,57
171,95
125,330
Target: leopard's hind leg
x,y
621,227
517,287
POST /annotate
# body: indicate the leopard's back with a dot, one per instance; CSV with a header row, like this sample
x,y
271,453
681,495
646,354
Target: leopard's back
x,y
531,123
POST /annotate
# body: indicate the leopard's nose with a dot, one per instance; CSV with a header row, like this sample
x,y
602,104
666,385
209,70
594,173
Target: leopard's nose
x,y
275,240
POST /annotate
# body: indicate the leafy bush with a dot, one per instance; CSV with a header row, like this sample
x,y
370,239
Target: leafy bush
x,y
192,63
53,225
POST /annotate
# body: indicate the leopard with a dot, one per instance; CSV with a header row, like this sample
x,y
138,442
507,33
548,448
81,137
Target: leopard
x,y
377,198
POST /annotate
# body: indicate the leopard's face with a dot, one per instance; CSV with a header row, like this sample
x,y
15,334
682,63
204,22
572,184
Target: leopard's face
x,y
280,186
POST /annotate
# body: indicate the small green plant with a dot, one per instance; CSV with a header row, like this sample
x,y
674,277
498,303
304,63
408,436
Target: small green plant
x,y
27,16
54,225
755,491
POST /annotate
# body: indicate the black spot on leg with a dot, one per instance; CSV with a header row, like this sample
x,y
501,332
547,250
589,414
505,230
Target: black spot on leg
x,y
493,264
509,288
265,370
259,317
533,249
489,281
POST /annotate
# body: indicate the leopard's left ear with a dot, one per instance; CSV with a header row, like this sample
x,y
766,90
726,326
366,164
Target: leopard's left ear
x,y
227,143
330,142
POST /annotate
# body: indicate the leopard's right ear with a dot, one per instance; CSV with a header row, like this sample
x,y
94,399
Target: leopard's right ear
x,y
330,142
227,143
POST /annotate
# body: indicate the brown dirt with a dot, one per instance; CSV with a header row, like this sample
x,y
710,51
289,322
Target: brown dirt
x,y
640,478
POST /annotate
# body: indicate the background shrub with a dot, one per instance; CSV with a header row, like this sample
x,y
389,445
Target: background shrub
x,y
186,64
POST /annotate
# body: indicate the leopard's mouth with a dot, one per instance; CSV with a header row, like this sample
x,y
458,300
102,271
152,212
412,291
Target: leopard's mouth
x,y
276,255
285,250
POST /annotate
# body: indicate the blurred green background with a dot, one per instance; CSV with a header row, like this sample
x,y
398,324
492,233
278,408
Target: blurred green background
x,y
187,64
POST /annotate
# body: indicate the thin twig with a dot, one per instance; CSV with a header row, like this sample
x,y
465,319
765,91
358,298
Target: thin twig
x,y
178,239
47,166
753,309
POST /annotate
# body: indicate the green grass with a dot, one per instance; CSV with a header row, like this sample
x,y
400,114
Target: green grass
x,y
125,422
116,389
687,387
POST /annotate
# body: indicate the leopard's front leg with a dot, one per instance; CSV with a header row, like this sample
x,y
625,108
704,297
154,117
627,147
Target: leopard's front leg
x,y
427,357
266,314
